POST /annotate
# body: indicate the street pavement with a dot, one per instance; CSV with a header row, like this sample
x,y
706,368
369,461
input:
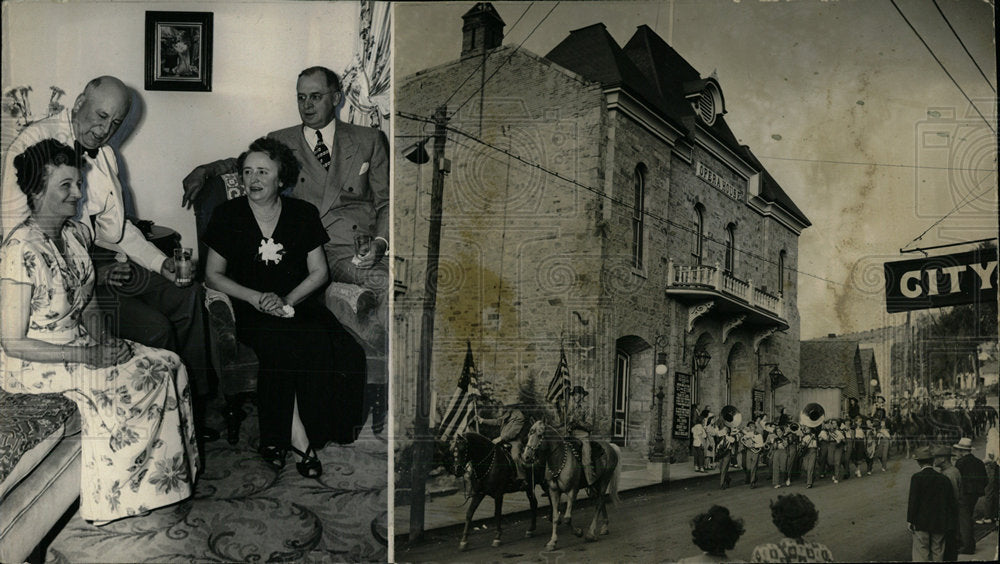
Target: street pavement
x,y
860,519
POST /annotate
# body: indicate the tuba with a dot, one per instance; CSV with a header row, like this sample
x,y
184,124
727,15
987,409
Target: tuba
x,y
731,417
812,415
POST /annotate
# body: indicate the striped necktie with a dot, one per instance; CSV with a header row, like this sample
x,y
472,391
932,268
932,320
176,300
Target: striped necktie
x,y
321,151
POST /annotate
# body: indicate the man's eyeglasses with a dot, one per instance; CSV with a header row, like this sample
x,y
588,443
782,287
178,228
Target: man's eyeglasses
x,y
313,97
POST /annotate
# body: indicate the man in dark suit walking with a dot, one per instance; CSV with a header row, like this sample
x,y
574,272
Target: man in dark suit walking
x,y
930,509
973,487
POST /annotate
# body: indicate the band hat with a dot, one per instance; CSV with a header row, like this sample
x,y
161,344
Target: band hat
x,y
923,453
964,444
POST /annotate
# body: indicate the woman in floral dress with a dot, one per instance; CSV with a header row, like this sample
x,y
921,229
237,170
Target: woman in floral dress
x,y
138,448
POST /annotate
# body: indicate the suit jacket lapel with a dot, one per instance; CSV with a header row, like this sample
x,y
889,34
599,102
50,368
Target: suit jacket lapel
x,y
342,155
311,166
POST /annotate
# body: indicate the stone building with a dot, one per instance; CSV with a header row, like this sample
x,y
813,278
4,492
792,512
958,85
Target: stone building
x,y
597,203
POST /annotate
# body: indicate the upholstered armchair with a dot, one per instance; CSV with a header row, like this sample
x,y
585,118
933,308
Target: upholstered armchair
x,y
358,310
235,363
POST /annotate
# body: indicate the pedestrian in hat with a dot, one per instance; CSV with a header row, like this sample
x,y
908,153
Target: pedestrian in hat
x,y
929,509
942,460
973,487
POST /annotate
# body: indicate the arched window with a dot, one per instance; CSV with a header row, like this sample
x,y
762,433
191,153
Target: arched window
x,y
781,271
638,216
730,247
699,232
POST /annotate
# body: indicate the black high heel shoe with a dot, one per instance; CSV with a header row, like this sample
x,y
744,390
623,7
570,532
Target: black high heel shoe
x,y
274,456
310,466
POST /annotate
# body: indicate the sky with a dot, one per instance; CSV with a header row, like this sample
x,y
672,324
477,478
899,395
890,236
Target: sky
x,y
840,100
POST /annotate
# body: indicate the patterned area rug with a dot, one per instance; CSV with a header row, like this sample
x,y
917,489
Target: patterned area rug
x,y
245,511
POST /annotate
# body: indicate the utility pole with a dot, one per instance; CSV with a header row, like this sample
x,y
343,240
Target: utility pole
x,y
423,441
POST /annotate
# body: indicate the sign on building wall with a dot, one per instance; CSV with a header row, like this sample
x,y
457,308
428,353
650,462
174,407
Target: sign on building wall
x,y
682,406
946,280
757,408
718,182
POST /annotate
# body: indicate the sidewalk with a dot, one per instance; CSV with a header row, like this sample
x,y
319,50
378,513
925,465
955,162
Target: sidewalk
x,y
449,509
986,550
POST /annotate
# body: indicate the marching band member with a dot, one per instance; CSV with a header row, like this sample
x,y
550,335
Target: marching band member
x,y
794,437
810,442
779,455
871,444
726,447
825,449
858,452
847,428
884,440
754,443
837,440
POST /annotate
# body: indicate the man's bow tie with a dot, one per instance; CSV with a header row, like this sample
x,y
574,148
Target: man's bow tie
x,y
80,150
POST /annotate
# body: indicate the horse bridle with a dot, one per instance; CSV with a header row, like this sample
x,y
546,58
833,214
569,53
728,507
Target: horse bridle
x,y
565,455
473,463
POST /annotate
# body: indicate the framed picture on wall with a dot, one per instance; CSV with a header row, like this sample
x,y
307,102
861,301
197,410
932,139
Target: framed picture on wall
x,y
179,51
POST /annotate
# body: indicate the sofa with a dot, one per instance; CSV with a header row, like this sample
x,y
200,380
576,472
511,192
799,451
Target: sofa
x,y
39,468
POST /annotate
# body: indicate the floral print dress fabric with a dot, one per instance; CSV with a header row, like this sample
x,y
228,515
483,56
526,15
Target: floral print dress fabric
x,y
138,447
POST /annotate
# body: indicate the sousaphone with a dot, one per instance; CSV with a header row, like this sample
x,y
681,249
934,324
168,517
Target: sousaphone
x,y
731,417
812,415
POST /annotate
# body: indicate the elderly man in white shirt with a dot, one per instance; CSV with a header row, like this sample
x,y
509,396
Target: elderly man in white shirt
x,y
150,309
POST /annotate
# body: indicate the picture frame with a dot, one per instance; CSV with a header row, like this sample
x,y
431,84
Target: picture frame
x,y
179,51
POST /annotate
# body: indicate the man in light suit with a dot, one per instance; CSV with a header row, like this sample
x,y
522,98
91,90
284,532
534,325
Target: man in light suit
x,y
149,308
345,174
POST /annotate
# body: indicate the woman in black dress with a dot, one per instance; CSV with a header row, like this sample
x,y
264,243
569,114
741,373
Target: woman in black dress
x,y
266,252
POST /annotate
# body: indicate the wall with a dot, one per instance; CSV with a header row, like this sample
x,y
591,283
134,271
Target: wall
x,y
259,49
510,232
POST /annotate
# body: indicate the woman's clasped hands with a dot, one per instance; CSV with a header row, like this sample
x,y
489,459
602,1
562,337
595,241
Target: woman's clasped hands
x,y
273,304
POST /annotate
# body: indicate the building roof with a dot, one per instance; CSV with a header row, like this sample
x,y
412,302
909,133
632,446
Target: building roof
x,y
830,363
592,53
770,190
656,74
674,79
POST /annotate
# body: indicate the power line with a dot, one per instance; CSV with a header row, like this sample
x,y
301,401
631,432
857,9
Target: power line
x,y
483,61
962,43
960,205
862,163
612,199
507,60
931,51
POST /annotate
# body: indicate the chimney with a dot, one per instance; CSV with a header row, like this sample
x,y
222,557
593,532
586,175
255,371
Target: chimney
x,y
482,30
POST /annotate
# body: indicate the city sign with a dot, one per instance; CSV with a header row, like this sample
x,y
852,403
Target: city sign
x,y
946,280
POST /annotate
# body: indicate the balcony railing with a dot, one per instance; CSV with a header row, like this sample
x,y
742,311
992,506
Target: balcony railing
x,y
714,278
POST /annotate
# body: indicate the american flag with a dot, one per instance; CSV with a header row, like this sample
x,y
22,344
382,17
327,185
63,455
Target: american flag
x,y
560,386
463,403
